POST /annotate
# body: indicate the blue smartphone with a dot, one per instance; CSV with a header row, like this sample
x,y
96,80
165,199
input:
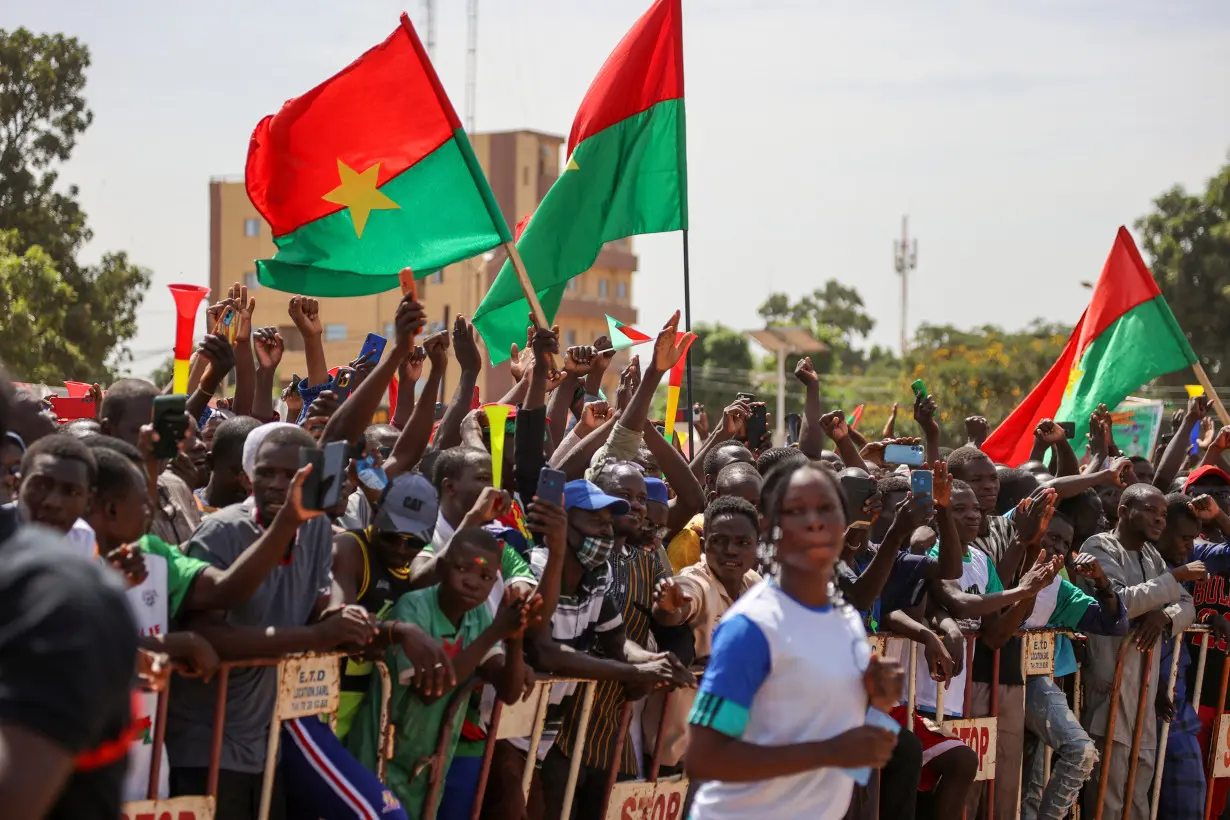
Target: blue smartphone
x,y
880,720
921,486
1195,441
373,347
551,485
908,454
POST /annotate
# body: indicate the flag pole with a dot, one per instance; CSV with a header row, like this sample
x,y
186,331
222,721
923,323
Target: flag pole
x,y
687,326
1203,378
531,296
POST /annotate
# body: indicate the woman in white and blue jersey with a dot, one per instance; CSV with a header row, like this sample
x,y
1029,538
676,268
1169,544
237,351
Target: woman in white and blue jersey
x,y
779,718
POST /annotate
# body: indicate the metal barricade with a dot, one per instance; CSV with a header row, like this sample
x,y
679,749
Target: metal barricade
x,y
308,685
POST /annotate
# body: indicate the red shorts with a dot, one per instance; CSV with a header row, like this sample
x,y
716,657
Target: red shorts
x,y
934,743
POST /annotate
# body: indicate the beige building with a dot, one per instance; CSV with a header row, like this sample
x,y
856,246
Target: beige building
x,y
520,167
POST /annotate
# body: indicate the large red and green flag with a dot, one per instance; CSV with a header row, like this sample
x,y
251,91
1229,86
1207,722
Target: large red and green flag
x,y
626,175
368,173
1125,338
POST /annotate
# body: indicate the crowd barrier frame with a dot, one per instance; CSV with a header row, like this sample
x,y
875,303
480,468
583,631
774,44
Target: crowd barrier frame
x,y
656,796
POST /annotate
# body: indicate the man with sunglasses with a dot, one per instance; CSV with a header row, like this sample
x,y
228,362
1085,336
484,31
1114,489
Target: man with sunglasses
x,y
372,567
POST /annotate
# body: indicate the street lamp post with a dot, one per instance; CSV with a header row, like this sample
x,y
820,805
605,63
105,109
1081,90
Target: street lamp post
x,y
783,341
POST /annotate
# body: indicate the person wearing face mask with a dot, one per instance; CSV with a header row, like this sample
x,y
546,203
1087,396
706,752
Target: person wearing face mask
x,y
586,618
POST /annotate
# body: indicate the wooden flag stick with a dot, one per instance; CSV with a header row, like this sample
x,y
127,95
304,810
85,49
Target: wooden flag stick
x,y
1203,378
531,296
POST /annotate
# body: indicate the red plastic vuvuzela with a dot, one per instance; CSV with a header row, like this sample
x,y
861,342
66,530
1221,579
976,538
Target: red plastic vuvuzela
x,y
187,301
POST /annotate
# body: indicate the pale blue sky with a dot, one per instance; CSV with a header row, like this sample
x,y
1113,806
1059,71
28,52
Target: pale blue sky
x,y
1017,136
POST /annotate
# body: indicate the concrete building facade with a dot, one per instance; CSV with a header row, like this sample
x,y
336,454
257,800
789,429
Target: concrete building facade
x,y
520,167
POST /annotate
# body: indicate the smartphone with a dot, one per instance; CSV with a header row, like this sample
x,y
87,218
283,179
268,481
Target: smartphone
x,y
343,383
551,485
750,397
333,473
696,411
67,408
908,454
171,423
757,425
1068,427
373,348
921,486
794,427
857,490
310,492
439,410
919,388
1194,449
408,288
228,324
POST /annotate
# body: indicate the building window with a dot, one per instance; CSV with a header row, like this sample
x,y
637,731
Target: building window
x,y
251,281
621,290
437,278
602,288
251,227
335,333
572,284
570,338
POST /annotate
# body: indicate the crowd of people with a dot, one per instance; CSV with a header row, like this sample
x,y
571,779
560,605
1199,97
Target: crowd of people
x,y
743,578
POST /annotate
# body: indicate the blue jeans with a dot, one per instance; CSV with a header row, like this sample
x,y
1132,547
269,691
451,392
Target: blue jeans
x,y
1047,715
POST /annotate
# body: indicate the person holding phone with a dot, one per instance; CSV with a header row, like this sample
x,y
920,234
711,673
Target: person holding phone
x,y
782,706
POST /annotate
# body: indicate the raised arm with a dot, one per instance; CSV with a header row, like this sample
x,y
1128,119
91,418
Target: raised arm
x,y
1176,451
924,415
355,414
811,432
689,495
578,361
245,367
416,435
305,313
408,375
1066,463
269,347
836,427
470,360
217,351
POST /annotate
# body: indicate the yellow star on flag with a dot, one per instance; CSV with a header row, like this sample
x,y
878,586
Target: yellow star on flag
x,y
1074,376
572,165
359,193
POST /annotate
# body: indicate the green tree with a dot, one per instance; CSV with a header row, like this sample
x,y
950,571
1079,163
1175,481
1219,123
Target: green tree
x,y
163,373
833,314
981,372
1186,240
36,298
42,113
722,365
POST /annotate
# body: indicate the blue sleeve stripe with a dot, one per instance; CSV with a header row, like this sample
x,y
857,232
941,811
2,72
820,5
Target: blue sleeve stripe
x,y
739,662
719,714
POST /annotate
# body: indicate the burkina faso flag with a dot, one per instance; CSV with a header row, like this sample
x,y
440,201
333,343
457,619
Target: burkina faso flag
x,y
368,173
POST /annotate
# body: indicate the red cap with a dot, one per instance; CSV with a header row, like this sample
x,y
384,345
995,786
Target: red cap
x,y
1206,471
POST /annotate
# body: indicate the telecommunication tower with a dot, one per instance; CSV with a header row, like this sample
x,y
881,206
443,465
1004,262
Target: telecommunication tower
x,y
905,259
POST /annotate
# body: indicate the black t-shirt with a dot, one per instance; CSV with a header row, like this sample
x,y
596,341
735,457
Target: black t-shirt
x,y
68,647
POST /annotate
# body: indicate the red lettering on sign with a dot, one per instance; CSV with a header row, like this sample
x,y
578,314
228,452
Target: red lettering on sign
x,y
673,804
627,809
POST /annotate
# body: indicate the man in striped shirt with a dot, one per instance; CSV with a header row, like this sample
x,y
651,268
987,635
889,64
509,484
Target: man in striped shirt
x,y
586,618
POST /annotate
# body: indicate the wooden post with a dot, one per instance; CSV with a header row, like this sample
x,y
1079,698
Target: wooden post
x,y
1203,378
531,296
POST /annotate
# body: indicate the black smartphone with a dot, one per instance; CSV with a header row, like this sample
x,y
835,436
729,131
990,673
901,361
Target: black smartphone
x,y
757,425
794,427
343,383
857,490
439,414
551,485
1068,427
171,423
311,485
333,473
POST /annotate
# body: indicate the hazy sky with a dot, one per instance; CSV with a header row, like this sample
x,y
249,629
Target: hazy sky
x,y
1017,136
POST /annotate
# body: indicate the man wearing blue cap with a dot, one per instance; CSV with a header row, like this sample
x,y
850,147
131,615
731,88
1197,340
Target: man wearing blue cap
x,y
586,619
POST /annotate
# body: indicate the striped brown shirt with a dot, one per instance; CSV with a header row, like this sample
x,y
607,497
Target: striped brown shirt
x,y
634,574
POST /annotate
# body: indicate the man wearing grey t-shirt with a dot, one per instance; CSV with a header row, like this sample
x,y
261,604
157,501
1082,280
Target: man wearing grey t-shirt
x,y
295,609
